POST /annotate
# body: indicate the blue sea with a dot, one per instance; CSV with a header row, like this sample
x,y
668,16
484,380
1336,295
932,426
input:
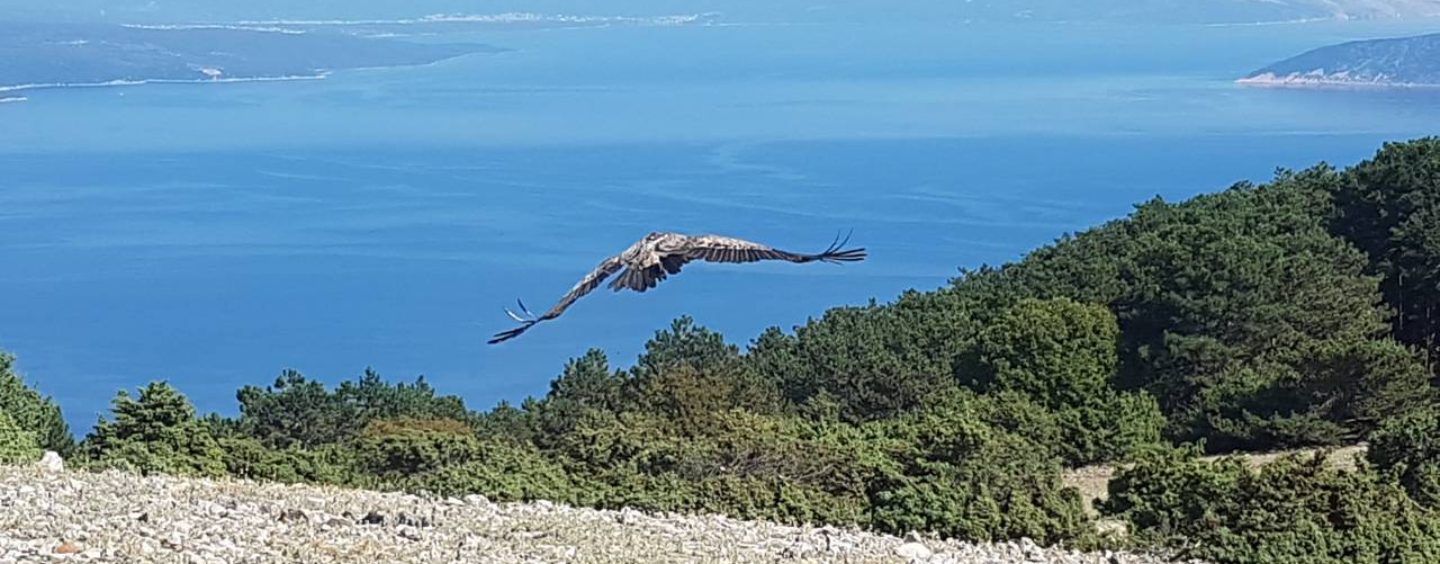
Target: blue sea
x,y
213,235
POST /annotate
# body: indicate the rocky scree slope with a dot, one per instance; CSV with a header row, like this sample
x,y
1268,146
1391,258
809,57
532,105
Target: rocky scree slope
x,y
49,514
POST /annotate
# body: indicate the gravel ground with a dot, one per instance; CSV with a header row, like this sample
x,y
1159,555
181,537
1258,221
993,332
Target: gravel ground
x,y
50,515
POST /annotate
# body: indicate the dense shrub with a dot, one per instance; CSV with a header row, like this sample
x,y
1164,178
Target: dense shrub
x,y
17,444
500,471
688,373
1409,447
875,362
948,472
248,458
1297,509
586,384
768,467
155,433
445,456
296,411
405,447
1058,352
1061,355
31,411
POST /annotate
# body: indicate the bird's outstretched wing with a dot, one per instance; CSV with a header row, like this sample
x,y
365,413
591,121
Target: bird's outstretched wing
x,y
589,282
715,248
674,251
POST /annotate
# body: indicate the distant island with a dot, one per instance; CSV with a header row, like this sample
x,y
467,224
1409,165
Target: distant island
x,y
52,55
1398,62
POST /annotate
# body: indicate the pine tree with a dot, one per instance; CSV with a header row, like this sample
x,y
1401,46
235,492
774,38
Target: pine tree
x,y
156,433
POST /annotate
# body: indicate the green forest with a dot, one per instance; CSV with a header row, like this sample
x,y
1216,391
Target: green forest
x,y
1301,312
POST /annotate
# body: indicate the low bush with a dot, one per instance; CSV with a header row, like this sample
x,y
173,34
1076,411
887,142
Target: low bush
x,y
1409,448
1299,509
17,445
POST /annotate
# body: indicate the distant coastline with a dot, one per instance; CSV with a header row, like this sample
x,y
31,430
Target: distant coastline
x,y
1401,63
139,82
1326,82
504,18
42,56
1267,23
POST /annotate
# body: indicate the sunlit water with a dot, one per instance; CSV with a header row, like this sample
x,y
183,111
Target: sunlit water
x,y
212,235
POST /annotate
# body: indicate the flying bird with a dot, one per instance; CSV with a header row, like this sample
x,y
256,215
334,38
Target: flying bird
x,y
661,254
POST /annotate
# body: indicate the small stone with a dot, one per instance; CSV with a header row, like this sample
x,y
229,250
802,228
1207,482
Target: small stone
x,y
294,515
1032,551
1111,527
414,521
373,518
835,544
67,548
628,516
913,551
409,533
336,523
51,462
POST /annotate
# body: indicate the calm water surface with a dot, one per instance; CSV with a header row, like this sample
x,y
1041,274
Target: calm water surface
x,y
214,235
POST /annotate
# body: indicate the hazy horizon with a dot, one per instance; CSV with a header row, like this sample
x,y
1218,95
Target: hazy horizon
x,y
993,11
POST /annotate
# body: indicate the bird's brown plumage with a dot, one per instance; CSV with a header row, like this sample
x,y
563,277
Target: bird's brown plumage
x,y
659,255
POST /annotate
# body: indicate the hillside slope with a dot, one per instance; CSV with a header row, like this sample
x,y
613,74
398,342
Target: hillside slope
x,y
1403,61
117,517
